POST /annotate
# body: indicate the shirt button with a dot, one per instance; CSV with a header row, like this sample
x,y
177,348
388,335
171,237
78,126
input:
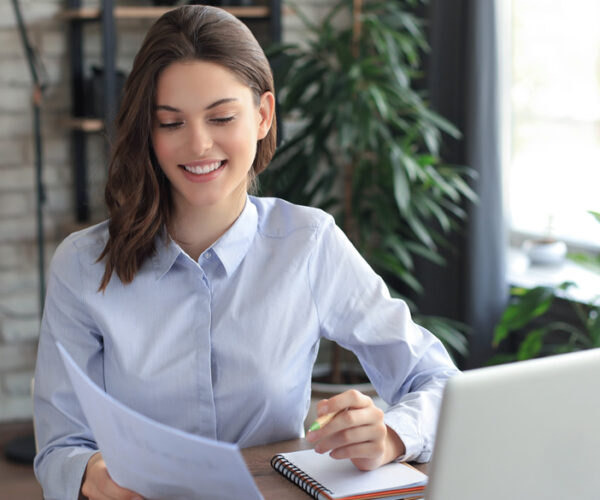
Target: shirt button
x,y
208,254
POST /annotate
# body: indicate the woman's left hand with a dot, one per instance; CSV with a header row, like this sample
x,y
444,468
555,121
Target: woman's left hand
x,y
357,432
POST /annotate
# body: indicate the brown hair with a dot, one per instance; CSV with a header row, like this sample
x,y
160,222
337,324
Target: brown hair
x,y
138,194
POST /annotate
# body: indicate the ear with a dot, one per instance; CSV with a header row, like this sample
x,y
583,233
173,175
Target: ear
x,y
266,111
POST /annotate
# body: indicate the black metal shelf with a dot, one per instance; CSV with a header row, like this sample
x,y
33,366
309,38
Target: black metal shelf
x,y
123,12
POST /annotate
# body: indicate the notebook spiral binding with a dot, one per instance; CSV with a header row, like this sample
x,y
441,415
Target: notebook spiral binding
x,y
301,479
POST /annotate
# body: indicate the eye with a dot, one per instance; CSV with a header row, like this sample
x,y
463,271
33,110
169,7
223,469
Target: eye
x,y
170,125
222,121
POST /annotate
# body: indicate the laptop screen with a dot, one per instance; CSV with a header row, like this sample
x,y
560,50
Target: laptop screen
x,y
526,430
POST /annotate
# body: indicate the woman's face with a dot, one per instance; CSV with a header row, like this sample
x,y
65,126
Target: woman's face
x,y
206,127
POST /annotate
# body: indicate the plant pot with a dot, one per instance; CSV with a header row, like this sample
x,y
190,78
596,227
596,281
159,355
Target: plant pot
x,y
545,251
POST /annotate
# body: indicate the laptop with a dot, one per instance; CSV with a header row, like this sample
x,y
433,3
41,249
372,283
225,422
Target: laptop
x,y
528,430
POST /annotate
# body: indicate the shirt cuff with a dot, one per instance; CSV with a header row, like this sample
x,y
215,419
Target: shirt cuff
x,y
407,430
61,472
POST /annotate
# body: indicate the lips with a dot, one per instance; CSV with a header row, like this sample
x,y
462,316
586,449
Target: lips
x,y
203,167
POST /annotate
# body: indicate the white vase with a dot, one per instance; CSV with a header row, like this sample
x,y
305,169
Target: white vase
x,y
545,251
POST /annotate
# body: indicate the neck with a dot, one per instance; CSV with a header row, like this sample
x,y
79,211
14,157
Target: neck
x,y
196,230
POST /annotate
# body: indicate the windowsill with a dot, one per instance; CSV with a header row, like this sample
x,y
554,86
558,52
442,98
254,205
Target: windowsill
x,y
524,274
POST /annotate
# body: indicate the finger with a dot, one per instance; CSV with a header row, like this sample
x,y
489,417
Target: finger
x,y
364,428
347,399
348,419
369,450
353,435
341,420
366,464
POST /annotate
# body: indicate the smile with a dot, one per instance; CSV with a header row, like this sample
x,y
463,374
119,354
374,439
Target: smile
x,y
203,169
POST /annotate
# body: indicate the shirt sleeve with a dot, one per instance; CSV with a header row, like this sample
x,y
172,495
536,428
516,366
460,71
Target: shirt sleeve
x,y
407,365
64,438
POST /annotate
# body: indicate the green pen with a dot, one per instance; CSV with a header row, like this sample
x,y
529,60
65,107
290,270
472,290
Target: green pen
x,y
323,420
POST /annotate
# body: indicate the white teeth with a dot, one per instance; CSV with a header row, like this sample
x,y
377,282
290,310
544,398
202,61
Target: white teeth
x,y
205,169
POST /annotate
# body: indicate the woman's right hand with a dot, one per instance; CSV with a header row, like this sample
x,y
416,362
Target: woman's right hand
x,y
97,484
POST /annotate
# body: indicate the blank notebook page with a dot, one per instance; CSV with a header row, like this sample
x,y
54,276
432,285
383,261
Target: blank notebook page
x,y
343,479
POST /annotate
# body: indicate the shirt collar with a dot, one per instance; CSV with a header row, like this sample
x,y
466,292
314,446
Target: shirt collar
x,y
230,248
165,253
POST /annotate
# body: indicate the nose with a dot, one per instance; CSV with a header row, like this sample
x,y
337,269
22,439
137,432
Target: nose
x,y
200,140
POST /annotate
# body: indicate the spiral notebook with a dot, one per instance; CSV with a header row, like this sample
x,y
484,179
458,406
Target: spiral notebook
x,y
325,478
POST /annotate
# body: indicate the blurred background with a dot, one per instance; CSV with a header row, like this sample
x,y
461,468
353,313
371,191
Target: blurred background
x,y
491,131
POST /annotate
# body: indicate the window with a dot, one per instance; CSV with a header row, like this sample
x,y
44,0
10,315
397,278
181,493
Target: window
x,y
552,176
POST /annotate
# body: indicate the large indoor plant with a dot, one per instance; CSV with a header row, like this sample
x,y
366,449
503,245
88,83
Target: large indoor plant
x,y
367,144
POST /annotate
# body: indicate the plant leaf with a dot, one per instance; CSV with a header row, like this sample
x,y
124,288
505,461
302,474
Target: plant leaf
x,y
528,306
532,344
401,187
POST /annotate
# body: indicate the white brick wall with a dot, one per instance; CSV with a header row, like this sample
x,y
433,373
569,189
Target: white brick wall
x,y
19,300
19,315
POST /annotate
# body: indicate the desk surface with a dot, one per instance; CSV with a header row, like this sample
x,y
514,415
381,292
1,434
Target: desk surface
x,y
271,484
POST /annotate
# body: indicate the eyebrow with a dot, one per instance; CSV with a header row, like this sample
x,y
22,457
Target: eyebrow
x,y
210,106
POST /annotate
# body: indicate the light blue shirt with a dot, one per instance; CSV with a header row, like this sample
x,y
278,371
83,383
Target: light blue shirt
x,y
224,347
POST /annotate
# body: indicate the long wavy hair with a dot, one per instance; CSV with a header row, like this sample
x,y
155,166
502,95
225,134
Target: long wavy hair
x,y
138,194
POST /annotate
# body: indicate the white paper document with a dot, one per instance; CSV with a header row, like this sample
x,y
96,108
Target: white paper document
x,y
155,460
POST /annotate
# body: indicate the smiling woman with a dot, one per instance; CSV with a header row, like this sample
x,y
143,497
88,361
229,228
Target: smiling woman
x,y
136,214
202,307
205,135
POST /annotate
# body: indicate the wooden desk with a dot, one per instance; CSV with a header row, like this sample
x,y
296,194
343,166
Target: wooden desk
x,y
271,484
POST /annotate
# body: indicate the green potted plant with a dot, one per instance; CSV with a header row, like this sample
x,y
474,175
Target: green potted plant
x,y
528,319
367,145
